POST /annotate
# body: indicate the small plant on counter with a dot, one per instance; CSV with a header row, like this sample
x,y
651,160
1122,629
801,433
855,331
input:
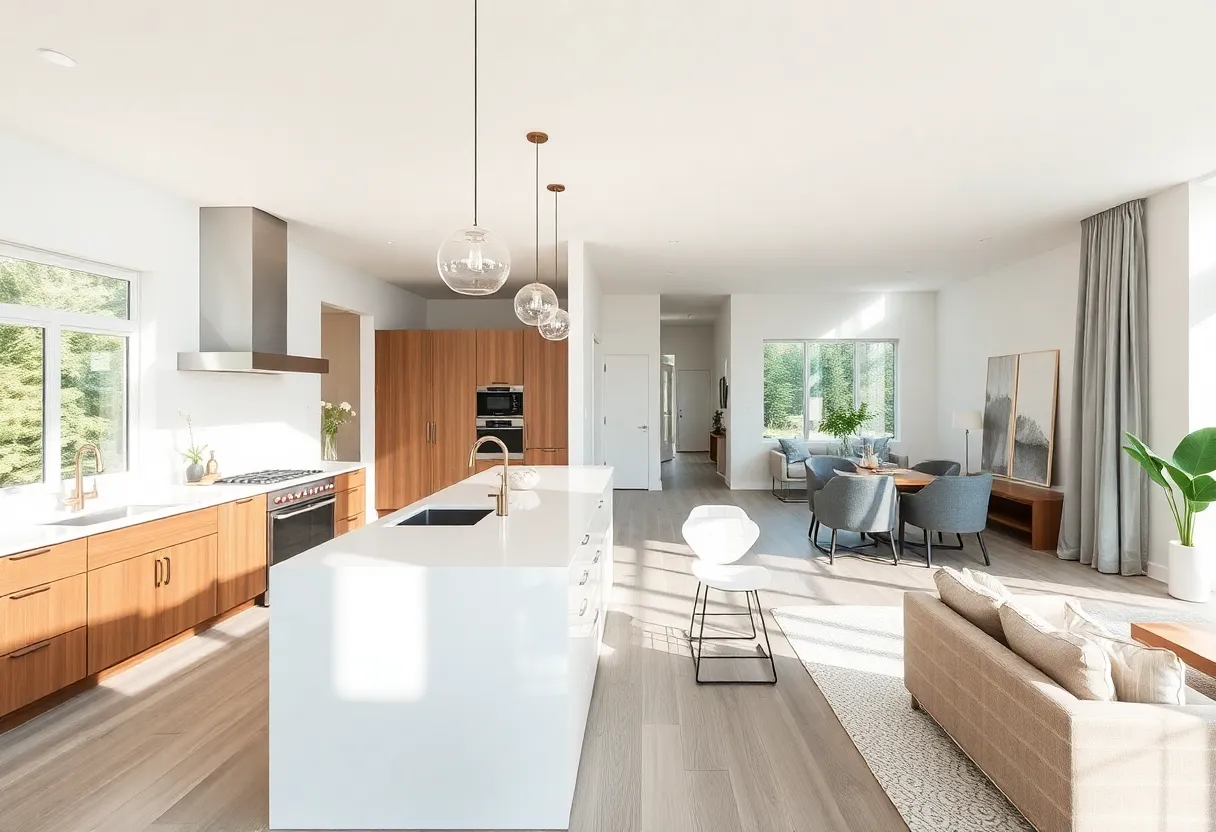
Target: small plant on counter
x,y
193,452
718,427
333,416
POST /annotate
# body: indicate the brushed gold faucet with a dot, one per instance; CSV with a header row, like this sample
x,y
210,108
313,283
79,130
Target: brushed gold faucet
x,y
504,492
76,500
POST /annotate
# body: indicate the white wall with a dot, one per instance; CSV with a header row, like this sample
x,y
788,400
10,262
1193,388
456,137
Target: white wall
x,y
721,359
693,348
631,326
340,344
908,317
1027,306
585,431
1203,326
61,204
472,313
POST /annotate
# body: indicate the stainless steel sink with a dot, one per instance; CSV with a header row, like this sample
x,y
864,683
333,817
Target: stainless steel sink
x,y
446,517
106,516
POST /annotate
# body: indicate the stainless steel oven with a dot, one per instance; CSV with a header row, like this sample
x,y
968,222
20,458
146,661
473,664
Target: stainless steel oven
x,y
509,431
500,402
297,519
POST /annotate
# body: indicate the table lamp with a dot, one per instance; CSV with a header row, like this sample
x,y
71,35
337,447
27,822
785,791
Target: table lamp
x,y
967,421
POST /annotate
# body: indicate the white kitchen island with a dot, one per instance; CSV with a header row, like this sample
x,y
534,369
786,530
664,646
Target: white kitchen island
x,y
439,677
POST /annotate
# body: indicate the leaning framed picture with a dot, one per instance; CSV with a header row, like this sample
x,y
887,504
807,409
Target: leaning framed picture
x,y
999,392
1034,416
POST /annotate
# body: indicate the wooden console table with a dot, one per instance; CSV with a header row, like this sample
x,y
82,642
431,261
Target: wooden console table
x,y
1030,509
717,448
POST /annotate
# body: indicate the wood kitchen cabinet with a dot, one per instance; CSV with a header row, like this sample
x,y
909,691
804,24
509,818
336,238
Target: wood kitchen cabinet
x,y
186,595
454,398
500,357
28,674
241,556
545,456
545,391
403,417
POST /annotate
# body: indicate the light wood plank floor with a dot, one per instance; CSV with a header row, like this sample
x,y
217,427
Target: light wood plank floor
x,y
179,744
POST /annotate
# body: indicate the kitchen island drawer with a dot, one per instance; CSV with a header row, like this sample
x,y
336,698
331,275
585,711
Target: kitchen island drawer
x,y
42,565
42,612
28,674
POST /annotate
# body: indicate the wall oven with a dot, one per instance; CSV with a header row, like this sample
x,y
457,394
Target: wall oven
x,y
510,431
500,402
297,519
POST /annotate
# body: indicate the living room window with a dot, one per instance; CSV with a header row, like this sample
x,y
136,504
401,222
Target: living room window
x,y
805,379
65,360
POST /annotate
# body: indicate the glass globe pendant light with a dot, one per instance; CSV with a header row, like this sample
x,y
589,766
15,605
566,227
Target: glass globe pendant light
x,y
556,325
474,261
535,301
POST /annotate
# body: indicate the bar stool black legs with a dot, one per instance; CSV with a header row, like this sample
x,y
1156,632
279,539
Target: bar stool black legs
x,y
697,638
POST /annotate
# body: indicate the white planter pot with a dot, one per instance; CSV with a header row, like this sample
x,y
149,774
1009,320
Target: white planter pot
x,y
1190,572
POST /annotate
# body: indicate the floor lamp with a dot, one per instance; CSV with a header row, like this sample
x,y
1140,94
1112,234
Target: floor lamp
x,y
967,421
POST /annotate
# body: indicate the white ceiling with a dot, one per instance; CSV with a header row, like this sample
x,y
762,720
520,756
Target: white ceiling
x,y
786,145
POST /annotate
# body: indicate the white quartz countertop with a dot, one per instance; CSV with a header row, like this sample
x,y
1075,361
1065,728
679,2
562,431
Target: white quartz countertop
x,y
543,528
170,500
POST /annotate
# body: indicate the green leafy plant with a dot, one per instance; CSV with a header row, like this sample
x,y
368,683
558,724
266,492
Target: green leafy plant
x,y
718,427
193,453
843,422
1189,487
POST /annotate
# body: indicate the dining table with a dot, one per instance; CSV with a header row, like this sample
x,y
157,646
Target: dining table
x,y
907,481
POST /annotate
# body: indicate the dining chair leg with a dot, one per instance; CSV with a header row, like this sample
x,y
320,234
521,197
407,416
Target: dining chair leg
x,y
896,546
983,548
939,537
928,550
832,551
960,539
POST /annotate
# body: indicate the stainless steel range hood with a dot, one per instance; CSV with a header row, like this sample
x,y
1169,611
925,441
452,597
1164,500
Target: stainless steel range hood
x,y
242,309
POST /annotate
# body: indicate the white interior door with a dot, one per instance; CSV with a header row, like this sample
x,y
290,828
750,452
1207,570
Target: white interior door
x,y
666,413
692,410
627,415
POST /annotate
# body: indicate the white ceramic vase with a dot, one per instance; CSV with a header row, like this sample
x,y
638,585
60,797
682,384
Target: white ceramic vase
x,y
1190,572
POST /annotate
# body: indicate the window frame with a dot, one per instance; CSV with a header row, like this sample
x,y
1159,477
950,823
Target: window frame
x,y
53,322
806,342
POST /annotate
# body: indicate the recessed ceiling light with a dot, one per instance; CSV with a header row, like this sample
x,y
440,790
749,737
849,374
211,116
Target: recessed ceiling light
x,y
390,242
986,240
57,58
673,241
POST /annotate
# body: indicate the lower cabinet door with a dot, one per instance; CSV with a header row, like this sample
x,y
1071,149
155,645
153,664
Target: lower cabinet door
x,y
28,674
241,559
122,610
186,595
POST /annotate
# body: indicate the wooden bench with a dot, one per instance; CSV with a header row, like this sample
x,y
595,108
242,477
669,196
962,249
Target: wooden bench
x,y
1029,509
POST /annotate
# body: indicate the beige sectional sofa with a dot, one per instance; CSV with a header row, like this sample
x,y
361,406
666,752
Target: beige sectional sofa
x,y
1069,765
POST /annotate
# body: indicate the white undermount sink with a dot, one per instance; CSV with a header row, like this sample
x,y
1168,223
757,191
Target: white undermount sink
x,y
107,515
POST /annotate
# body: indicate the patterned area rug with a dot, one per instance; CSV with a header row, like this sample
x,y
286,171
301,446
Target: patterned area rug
x,y
855,656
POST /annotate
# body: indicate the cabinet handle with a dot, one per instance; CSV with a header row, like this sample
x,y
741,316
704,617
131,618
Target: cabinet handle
x,y
586,538
586,575
596,619
30,554
246,500
596,560
156,571
601,505
29,592
168,570
33,648
582,609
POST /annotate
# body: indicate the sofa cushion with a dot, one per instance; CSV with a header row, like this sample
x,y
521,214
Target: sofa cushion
x,y
795,450
1152,675
796,470
1071,660
881,445
972,600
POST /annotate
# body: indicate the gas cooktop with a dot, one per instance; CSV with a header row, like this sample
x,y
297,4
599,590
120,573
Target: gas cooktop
x,y
270,476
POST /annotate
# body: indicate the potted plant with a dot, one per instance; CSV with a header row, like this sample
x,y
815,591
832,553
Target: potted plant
x,y
1189,488
718,427
844,423
193,453
333,416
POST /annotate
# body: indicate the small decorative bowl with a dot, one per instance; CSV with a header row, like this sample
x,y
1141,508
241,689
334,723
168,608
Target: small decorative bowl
x,y
524,479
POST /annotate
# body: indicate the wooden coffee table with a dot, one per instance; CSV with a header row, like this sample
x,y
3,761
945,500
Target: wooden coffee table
x,y
1194,644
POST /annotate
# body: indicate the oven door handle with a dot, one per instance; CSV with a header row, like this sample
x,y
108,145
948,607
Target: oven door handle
x,y
308,507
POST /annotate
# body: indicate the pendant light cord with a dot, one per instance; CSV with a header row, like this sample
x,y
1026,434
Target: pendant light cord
x,y
555,275
474,113
536,185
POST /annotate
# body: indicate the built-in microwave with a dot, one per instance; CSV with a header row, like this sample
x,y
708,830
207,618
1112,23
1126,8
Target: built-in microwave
x,y
500,402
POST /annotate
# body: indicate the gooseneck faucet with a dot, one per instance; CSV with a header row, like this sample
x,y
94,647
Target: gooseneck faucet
x,y
76,500
504,493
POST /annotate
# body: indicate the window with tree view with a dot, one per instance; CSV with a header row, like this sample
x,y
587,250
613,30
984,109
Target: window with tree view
x,y
803,380
64,366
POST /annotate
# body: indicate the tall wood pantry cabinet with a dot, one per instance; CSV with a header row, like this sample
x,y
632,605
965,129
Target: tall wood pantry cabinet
x,y
426,403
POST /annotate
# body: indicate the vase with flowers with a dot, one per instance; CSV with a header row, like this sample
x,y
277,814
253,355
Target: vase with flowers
x,y
333,416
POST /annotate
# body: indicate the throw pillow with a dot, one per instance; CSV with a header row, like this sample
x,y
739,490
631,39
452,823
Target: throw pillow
x,y
972,600
1071,660
1151,675
989,582
795,450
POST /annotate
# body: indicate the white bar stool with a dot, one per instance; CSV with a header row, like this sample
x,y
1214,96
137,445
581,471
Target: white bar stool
x,y
720,537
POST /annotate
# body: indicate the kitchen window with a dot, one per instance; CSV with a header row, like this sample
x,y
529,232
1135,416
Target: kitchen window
x,y
805,379
66,332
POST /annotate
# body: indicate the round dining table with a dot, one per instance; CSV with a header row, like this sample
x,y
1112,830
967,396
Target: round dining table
x,y
906,480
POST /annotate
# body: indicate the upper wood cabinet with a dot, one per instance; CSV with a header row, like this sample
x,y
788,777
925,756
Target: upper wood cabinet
x,y
454,398
403,417
545,396
241,556
500,357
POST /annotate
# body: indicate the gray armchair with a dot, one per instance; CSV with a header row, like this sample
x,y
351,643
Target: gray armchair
x,y
863,503
939,467
952,505
819,470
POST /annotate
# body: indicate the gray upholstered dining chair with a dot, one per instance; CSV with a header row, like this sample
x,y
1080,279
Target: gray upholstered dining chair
x,y
938,467
819,470
952,505
863,503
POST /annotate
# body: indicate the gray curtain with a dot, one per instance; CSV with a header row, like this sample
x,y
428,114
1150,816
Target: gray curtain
x,y
1106,503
